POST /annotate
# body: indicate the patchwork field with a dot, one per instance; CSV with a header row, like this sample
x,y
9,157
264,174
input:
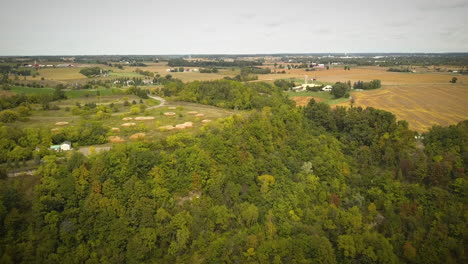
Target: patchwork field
x,y
423,99
161,68
421,105
366,74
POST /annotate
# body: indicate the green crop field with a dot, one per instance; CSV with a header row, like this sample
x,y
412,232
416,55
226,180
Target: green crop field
x,y
31,90
68,93
85,93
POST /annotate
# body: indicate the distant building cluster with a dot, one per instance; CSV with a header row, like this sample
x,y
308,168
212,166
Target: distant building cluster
x,y
184,70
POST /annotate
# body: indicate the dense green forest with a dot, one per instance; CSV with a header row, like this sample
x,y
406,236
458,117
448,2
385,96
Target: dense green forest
x,y
227,93
276,184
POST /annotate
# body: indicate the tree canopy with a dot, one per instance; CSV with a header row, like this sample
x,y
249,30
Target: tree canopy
x,y
276,184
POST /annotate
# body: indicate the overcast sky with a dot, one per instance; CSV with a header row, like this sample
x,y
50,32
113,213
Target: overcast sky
x,y
87,27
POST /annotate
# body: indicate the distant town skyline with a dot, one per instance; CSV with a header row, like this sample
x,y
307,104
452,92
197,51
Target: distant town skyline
x,y
139,27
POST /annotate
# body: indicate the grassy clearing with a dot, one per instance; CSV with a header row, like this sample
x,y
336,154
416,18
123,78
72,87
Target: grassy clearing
x,y
151,102
71,73
124,74
94,92
337,101
324,95
31,90
70,93
48,118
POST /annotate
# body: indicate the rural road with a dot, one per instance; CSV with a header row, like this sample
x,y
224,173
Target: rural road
x,y
162,100
161,104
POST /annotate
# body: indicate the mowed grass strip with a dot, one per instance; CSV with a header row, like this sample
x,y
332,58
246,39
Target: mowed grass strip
x,y
31,90
68,93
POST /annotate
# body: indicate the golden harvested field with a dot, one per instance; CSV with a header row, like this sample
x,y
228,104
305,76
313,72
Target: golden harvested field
x,y
421,105
366,74
161,68
423,99
59,74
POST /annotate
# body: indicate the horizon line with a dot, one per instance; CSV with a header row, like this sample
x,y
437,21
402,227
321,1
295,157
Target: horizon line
x,y
239,54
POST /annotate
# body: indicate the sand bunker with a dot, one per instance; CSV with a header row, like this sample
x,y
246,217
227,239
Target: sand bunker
x,y
143,118
61,123
172,108
115,129
192,112
205,121
128,124
116,139
184,125
199,115
166,128
169,114
138,136
127,118
55,130
188,124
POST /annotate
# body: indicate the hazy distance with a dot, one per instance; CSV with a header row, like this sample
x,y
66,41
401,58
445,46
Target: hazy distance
x,y
61,27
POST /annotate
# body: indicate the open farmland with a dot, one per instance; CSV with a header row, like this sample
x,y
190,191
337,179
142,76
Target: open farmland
x,y
336,74
60,74
423,99
303,98
421,105
161,68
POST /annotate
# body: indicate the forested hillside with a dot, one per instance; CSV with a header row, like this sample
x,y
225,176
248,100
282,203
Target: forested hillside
x,y
278,184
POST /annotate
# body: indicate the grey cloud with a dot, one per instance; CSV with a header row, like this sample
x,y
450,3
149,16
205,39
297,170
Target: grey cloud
x,y
248,16
213,26
273,24
442,4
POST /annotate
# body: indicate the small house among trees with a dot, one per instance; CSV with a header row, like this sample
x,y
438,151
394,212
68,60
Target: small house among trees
x,y
65,146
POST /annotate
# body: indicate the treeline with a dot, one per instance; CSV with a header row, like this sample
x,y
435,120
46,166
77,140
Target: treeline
x,y
284,84
279,185
17,107
142,93
208,70
374,84
220,63
407,69
255,70
19,145
226,93
92,71
145,73
341,89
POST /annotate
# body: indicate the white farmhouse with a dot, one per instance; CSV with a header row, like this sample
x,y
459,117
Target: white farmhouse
x,y
65,146
327,88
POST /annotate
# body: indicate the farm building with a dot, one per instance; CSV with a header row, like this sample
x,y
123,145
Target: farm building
x,y
327,88
65,146
64,65
303,87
